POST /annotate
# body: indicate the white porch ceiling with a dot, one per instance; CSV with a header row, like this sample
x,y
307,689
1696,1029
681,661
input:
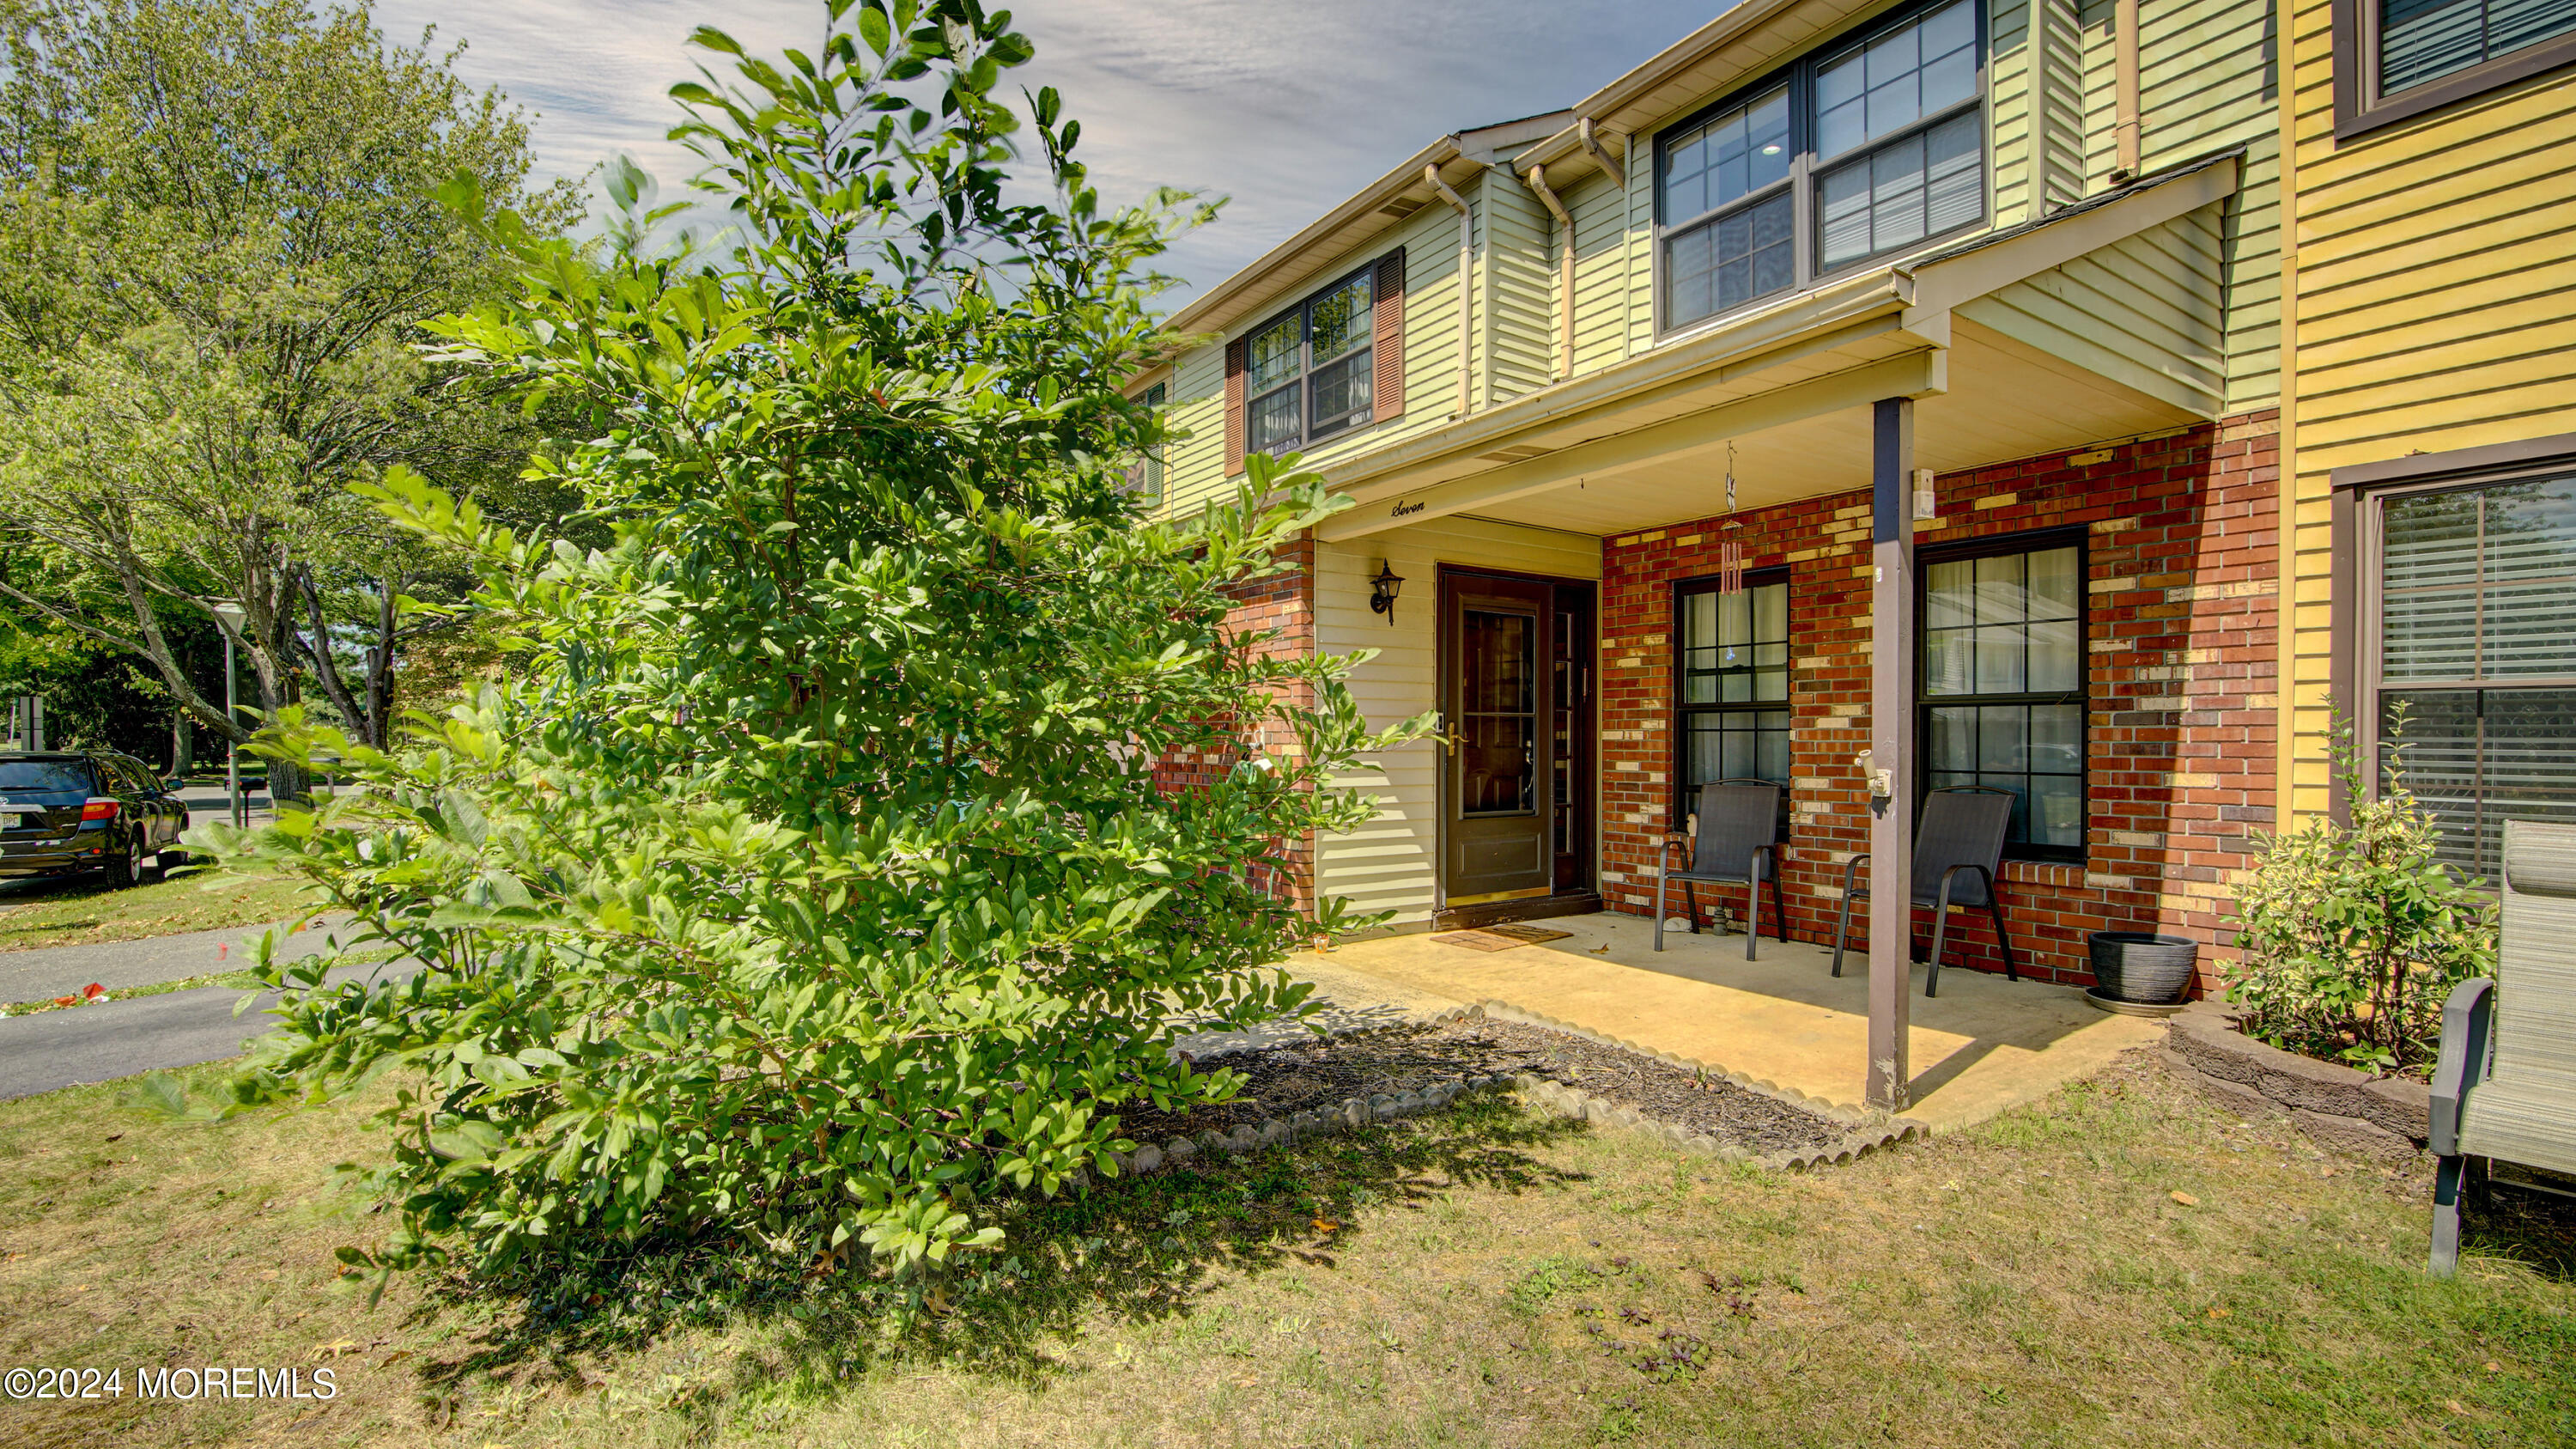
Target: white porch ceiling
x,y
2006,401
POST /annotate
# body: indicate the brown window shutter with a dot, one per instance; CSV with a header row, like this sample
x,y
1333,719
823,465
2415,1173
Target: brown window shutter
x,y
1386,335
1234,354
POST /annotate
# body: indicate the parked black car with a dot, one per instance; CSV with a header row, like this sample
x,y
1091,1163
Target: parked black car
x,y
64,810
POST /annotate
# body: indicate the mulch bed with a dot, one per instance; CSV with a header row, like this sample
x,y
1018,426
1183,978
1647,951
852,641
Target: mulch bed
x,y
1321,1073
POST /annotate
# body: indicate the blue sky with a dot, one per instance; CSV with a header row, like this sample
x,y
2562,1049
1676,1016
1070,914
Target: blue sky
x,y
1286,107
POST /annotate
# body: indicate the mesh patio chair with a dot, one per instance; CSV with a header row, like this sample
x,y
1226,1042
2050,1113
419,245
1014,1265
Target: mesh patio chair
x,y
1737,827
2504,1091
1958,845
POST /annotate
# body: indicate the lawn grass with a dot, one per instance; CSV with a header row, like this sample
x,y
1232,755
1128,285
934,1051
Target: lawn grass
x,y
82,910
1484,1276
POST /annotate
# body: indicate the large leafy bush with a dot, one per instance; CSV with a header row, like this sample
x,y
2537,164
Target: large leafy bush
x,y
2354,934
808,878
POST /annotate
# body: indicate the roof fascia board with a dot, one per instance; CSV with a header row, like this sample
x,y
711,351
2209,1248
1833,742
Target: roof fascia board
x,y
1209,311
1914,374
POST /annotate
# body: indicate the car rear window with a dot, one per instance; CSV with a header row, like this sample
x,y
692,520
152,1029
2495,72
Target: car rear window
x,y
59,776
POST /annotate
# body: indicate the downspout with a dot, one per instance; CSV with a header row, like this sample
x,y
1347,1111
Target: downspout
x,y
2125,143
1466,284
1564,270
1600,158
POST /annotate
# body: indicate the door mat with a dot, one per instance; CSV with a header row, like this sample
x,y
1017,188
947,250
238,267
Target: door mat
x,y
1500,938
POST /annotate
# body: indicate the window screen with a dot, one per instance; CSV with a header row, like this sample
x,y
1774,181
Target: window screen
x,y
1723,254
1863,149
2002,686
1733,685
2477,668
1311,374
2425,40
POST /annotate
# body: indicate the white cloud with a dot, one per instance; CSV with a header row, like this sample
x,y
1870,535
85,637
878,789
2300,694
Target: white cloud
x,y
1287,108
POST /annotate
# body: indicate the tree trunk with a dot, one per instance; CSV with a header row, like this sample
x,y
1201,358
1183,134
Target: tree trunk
x,y
183,745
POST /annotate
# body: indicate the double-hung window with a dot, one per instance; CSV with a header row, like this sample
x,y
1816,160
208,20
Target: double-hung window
x,y
1308,375
1731,684
1868,148
2399,58
2001,682
2474,682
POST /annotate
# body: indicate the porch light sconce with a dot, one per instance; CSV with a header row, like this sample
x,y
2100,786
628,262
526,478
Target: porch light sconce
x,y
1925,505
1382,592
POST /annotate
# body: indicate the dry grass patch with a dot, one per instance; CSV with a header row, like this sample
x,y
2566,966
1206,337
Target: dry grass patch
x,y
82,910
1477,1277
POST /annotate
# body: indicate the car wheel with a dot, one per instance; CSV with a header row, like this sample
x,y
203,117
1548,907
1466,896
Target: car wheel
x,y
126,867
171,858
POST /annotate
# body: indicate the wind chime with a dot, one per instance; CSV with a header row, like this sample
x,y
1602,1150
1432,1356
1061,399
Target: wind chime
x,y
1730,554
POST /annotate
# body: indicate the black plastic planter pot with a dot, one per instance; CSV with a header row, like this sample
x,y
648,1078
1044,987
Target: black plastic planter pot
x,y
2142,967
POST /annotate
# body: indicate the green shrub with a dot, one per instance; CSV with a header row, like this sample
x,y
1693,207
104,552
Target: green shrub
x,y
2354,934
808,879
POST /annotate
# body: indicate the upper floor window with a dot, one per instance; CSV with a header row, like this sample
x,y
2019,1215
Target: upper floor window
x,y
1308,375
2425,40
2400,58
1861,150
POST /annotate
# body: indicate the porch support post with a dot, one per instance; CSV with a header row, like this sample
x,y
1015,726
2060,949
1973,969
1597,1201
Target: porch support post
x,y
1891,747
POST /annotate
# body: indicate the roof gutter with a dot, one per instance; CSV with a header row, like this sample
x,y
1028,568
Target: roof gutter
x,y
1466,281
1376,195
1537,181
1592,148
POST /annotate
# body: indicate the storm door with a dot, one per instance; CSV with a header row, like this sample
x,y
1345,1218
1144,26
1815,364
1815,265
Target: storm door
x,y
1515,699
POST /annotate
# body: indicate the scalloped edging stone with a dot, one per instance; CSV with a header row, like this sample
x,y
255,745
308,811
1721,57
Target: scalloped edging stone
x,y
2339,1108
1866,1132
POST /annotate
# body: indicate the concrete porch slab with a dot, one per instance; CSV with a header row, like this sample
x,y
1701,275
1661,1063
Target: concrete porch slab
x,y
1982,1046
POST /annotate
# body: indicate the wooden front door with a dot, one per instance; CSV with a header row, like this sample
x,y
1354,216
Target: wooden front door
x,y
1515,676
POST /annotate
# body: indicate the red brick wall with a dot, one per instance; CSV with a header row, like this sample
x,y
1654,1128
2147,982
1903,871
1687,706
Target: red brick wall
x,y
2181,617
1284,603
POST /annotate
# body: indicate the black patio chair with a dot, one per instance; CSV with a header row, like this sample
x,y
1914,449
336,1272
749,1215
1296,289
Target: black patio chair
x,y
1960,835
1738,824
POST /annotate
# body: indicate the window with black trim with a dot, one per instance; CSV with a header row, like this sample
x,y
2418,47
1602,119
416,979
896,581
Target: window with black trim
x,y
2001,682
1308,375
2472,667
1864,149
2401,58
1731,683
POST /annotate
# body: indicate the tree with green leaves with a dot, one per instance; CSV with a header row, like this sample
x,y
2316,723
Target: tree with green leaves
x,y
219,233
810,880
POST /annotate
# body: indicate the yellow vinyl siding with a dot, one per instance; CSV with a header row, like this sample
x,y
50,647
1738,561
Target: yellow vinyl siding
x,y
2141,311
2014,74
1519,292
1391,863
2058,71
2205,83
1600,217
2435,305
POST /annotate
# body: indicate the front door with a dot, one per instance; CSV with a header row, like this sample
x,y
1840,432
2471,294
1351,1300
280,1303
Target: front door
x,y
1515,695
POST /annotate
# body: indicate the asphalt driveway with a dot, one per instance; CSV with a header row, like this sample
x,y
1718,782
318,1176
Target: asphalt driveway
x,y
83,1044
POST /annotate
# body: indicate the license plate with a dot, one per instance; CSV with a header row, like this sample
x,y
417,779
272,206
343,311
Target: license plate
x,y
11,819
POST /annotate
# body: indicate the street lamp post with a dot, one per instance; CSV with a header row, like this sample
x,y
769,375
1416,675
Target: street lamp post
x,y
231,614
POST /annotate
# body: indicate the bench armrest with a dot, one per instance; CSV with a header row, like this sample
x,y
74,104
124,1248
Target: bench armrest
x,y
2468,1021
